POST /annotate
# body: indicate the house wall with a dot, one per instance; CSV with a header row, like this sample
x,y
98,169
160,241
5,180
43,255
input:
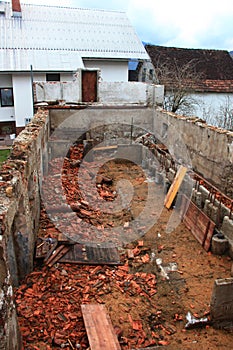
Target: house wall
x,y
145,72
6,113
206,105
23,102
42,76
111,71
209,105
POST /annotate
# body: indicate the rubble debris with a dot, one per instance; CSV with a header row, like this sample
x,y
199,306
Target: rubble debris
x,y
194,322
78,210
59,291
66,251
49,299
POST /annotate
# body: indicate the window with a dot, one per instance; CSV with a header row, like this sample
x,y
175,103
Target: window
x,y
6,96
151,74
53,77
27,120
144,75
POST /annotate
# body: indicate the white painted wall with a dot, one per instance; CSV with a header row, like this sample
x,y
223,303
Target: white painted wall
x,y
39,77
110,71
108,92
130,93
42,76
6,113
49,91
209,105
22,97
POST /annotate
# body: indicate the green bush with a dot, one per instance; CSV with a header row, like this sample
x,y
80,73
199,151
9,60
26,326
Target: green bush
x,y
4,154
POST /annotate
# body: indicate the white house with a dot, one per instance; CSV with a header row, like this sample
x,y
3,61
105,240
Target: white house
x,y
204,76
51,43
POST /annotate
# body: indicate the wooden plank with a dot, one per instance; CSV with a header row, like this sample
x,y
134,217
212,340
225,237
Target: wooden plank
x,y
105,148
99,328
175,186
210,233
80,254
201,226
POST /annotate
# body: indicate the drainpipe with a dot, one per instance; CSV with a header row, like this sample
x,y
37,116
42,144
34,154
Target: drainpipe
x,y
31,70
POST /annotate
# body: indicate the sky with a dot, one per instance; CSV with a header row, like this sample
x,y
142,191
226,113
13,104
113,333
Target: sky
x,y
200,24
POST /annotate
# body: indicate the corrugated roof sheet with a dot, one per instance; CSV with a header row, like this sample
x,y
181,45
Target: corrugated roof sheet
x,y
41,60
87,32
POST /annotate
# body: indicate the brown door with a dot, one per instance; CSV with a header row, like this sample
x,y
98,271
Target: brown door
x,y
89,86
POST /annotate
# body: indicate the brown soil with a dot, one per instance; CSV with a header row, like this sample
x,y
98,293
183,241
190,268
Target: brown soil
x,y
162,315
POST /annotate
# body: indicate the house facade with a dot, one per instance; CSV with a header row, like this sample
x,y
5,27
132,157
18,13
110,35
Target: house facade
x,y
51,43
205,76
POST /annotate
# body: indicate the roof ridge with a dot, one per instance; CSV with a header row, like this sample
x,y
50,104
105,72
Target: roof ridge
x,y
72,8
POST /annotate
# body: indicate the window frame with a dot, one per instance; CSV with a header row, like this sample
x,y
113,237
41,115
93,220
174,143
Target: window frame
x,y
51,76
8,104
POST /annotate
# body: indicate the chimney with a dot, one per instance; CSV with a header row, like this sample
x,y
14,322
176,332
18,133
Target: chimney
x,y
16,8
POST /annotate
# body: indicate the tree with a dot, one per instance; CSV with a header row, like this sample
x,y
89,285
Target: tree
x,y
180,84
225,116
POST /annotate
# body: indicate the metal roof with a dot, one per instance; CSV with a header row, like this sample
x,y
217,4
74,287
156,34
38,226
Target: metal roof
x,y
73,32
40,60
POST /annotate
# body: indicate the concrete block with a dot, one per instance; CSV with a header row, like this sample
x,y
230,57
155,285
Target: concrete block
x,y
131,152
152,170
219,245
204,194
171,175
207,209
197,198
159,178
166,185
213,213
221,306
230,248
227,227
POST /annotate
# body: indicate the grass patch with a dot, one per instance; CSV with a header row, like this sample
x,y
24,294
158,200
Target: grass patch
x,y
4,154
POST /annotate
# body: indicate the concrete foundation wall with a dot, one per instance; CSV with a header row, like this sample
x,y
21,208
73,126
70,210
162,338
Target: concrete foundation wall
x,y
205,149
64,91
126,93
209,149
19,220
130,93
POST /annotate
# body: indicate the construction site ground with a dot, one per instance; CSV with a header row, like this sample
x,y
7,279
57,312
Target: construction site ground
x,y
147,309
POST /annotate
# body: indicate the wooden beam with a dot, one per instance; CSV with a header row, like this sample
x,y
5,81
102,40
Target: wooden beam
x,y
99,328
175,186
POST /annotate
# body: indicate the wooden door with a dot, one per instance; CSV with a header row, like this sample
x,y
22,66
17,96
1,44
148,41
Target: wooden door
x,y
89,86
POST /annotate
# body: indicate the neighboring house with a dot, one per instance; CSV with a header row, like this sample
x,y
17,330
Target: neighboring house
x,y
206,75
51,43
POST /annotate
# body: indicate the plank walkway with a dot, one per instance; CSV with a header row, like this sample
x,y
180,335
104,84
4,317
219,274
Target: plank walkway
x,y
99,328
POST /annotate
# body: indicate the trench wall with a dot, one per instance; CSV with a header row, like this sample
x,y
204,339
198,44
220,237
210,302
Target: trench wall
x,y
19,220
206,149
